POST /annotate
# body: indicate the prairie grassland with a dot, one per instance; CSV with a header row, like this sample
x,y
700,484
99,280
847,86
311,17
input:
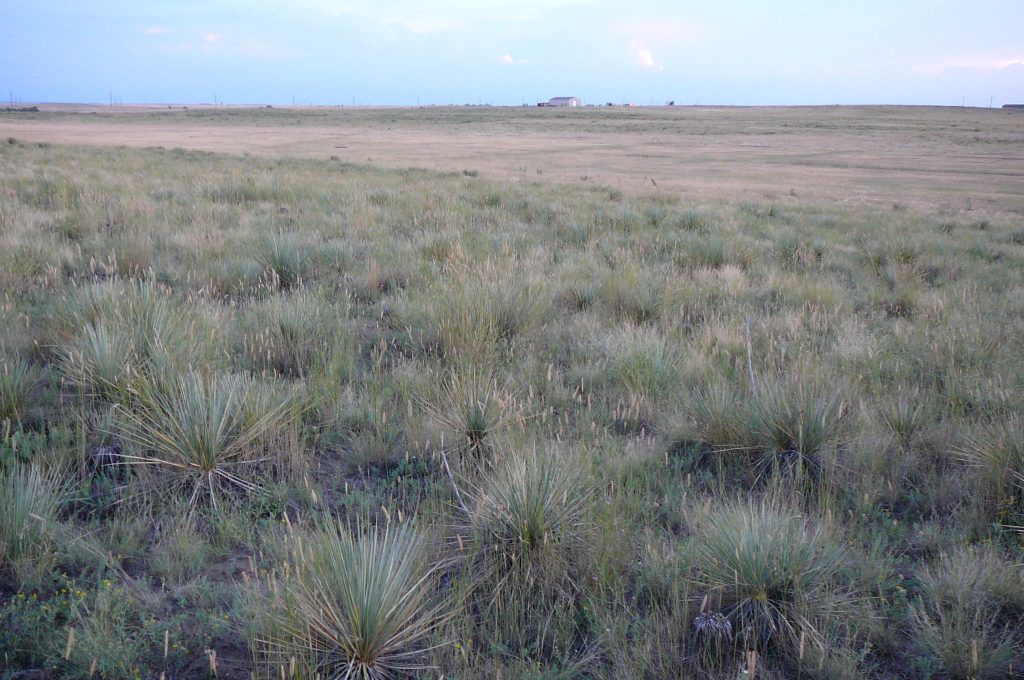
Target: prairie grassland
x,y
929,159
303,417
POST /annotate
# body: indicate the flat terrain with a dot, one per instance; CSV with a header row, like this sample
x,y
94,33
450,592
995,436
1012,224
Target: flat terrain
x,y
923,158
512,393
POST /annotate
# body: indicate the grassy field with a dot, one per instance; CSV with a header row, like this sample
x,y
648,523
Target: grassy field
x,y
269,408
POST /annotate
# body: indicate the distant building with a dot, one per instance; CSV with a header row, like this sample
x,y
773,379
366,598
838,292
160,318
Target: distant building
x,y
1018,107
562,101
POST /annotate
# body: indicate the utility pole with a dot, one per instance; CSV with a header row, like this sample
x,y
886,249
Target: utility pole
x,y
110,96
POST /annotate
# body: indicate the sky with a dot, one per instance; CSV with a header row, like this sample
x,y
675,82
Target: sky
x,y
402,52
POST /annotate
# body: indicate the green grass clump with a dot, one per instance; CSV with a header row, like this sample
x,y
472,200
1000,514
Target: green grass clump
x,y
357,606
967,620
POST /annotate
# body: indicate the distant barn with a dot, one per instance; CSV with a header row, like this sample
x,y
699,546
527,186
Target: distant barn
x,y
562,101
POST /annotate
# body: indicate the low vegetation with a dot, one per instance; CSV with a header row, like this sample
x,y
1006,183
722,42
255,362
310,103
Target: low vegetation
x,y
301,418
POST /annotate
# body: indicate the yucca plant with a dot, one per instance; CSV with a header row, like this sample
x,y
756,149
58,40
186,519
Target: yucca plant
x,y
473,410
101,360
965,641
796,423
29,500
997,454
281,257
528,528
203,433
533,504
15,382
358,607
723,419
906,415
773,570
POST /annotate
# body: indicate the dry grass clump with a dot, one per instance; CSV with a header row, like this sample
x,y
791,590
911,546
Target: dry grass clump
x,y
355,607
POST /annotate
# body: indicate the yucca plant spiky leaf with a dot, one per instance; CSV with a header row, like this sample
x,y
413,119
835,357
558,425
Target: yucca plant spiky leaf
x,y
15,382
202,433
29,500
769,566
359,606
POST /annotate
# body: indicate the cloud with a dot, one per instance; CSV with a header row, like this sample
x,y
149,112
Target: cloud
x,y
509,59
213,37
645,58
153,30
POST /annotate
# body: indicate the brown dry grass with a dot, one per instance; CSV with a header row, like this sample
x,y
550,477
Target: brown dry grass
x,y
926,159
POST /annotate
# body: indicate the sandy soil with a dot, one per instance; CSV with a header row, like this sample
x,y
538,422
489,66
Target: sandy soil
x,y
928,159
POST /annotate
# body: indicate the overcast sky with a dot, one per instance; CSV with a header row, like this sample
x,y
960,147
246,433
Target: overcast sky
x,y
508,52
